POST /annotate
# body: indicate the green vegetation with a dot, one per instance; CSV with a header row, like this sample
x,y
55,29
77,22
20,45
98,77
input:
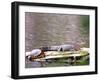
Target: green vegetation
x,y
83,52
85,24
63,62
84,62
84,28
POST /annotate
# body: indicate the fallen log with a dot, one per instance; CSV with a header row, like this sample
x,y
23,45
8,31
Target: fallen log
x,y
65,54
59,55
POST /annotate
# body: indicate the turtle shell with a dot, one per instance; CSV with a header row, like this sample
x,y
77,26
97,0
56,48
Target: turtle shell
x,y
36,52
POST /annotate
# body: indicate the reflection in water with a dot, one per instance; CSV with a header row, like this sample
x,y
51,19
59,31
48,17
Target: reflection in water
x,y
33,64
